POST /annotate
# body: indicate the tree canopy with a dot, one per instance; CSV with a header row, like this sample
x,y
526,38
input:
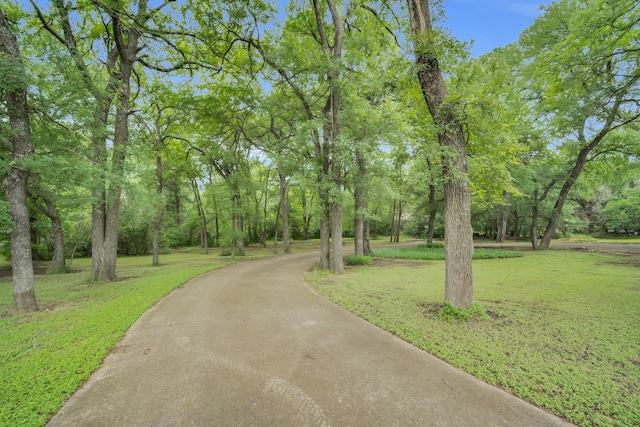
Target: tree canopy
x,y
156,125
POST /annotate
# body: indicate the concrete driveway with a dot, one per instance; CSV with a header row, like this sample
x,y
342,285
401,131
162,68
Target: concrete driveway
x,y
252,345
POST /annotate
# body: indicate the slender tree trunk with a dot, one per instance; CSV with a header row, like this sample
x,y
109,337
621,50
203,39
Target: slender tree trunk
x,y
325,248
240,234
516,225
15,183
581,160
393,222
432,213
306,218
45,204
216,220
562,198
534,221
158,221
503,217
275,231
367,240
204,238
285,212
457,210
360,202
399,223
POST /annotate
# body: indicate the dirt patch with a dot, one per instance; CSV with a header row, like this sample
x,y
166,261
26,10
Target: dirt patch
x,y
119,349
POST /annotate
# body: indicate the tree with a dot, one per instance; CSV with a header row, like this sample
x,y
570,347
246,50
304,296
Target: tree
x,y
14,94
457,207
583,74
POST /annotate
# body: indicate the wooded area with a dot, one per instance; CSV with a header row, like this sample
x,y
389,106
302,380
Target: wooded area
x,y
136,127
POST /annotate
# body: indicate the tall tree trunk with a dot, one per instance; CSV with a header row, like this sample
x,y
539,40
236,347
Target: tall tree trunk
x,y
393,222
562,198
360,203
306,218
432,213
457,209
581,160
285,212
204,235
158,221
325,248
534,220
503,217
399,223
215,218
240,234
367,240
15,183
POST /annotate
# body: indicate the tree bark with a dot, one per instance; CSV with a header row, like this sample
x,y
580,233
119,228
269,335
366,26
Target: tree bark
x,y
306,218
393,221
581,160
457,209
45,204
503,217
15,183
432,213
204,238
360,204
285,212
159,212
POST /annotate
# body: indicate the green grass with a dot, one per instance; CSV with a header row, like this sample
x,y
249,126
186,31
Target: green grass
x,y
436,252
47,355
562,334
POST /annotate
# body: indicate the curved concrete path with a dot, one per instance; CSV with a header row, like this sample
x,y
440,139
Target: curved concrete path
x,y
251,345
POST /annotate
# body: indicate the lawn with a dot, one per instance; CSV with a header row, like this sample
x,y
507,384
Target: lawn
x,y
562,330
435,251
47,355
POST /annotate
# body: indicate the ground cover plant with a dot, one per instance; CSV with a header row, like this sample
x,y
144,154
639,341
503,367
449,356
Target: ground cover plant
x,y
45,356
435,251
562,328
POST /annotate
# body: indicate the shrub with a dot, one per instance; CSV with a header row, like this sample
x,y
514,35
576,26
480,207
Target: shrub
x,y
449,313
357,260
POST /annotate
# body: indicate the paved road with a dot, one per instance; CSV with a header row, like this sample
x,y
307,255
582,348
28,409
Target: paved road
x,y
251,345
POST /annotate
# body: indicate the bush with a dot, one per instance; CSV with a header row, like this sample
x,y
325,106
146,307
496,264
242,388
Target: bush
x,y
357,260
449,313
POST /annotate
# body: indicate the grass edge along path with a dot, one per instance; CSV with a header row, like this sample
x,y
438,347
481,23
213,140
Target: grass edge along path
x,y
563,332
46,356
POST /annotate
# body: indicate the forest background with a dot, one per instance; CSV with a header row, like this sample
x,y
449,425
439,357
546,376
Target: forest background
x,y
157,125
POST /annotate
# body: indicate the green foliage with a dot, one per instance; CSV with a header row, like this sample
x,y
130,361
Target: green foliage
x,y
436,251
47,355
449,313
562,334
623,214
357,260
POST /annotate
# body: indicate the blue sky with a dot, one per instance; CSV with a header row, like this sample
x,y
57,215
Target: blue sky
x,y
491,23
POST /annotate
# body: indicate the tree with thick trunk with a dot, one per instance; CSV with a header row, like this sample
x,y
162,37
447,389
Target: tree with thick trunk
x,y
457,204
15,183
